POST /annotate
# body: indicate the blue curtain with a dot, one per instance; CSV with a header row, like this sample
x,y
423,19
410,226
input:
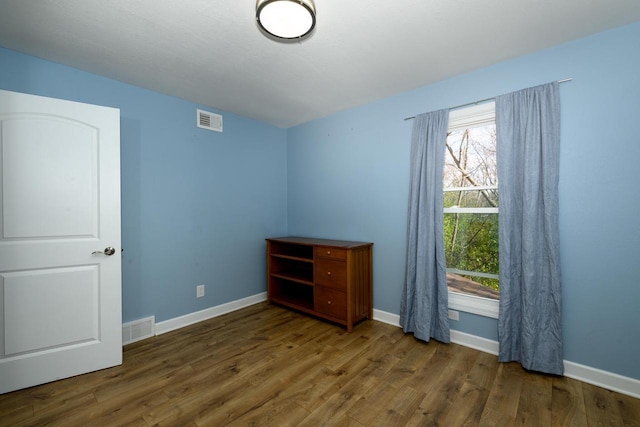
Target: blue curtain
x,y
528,143
424,306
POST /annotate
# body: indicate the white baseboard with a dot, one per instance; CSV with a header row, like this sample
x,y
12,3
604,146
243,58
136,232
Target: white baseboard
x,y
385,317
475,342
604,379
587,374
191,318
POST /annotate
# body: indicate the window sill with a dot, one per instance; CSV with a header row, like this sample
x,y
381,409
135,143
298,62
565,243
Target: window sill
x,y
471,304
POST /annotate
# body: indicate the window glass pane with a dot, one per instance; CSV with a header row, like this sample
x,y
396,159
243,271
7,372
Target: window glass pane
x,y
471,244
470,158
471,239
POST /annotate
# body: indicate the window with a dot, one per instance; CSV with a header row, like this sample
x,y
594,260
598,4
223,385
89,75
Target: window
x,y
471,210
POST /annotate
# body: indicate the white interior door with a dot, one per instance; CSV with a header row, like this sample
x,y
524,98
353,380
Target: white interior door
x,y
60,303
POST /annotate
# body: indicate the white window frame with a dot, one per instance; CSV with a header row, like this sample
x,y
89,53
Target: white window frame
x,y
462,118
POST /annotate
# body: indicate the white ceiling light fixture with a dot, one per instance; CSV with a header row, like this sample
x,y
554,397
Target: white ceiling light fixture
x,y
286,19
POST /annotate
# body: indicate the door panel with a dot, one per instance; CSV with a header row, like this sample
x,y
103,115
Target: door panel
x,y
60,301
30,145
32,300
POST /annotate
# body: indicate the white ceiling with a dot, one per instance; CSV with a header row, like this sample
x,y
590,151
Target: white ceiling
x,y
211,52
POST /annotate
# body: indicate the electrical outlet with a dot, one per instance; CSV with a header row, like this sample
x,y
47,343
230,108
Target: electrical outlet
x,y
454,315
199,291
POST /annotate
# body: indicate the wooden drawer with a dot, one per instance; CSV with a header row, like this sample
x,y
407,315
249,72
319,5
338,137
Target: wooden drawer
x,y
331,273
330,302
329,252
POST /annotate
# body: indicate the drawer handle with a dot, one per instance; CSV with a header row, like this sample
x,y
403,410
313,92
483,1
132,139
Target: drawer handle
x,y
329,302
328,273
328,252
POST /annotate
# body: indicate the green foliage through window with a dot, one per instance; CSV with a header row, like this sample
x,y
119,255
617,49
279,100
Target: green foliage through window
x,y
471,244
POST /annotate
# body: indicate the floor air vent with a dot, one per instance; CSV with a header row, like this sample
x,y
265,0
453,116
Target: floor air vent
x,y
210,121
138,330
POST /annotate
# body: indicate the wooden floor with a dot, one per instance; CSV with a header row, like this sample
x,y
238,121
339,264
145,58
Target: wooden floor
x,y
265,365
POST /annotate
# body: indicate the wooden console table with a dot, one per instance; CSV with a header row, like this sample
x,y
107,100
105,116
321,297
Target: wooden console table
x,y
331,279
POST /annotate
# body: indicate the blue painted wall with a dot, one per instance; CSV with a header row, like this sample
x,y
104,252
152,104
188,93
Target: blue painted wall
x,y
348,177
196,205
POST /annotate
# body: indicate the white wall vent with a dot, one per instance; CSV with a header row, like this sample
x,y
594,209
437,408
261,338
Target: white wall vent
x,y
138,330
208,120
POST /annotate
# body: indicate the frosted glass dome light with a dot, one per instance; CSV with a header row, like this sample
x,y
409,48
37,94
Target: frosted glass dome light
x,y
286,19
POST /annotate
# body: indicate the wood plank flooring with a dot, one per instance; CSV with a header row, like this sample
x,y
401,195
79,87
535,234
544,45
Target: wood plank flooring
x,y
265,365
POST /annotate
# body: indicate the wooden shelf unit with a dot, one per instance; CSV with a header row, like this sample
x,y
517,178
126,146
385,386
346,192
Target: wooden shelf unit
x,y
331,279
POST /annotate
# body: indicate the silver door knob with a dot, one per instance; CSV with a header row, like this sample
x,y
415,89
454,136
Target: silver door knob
x,y
107,251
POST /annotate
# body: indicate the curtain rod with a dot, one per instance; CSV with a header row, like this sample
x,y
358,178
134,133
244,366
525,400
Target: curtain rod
x,y
481,101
